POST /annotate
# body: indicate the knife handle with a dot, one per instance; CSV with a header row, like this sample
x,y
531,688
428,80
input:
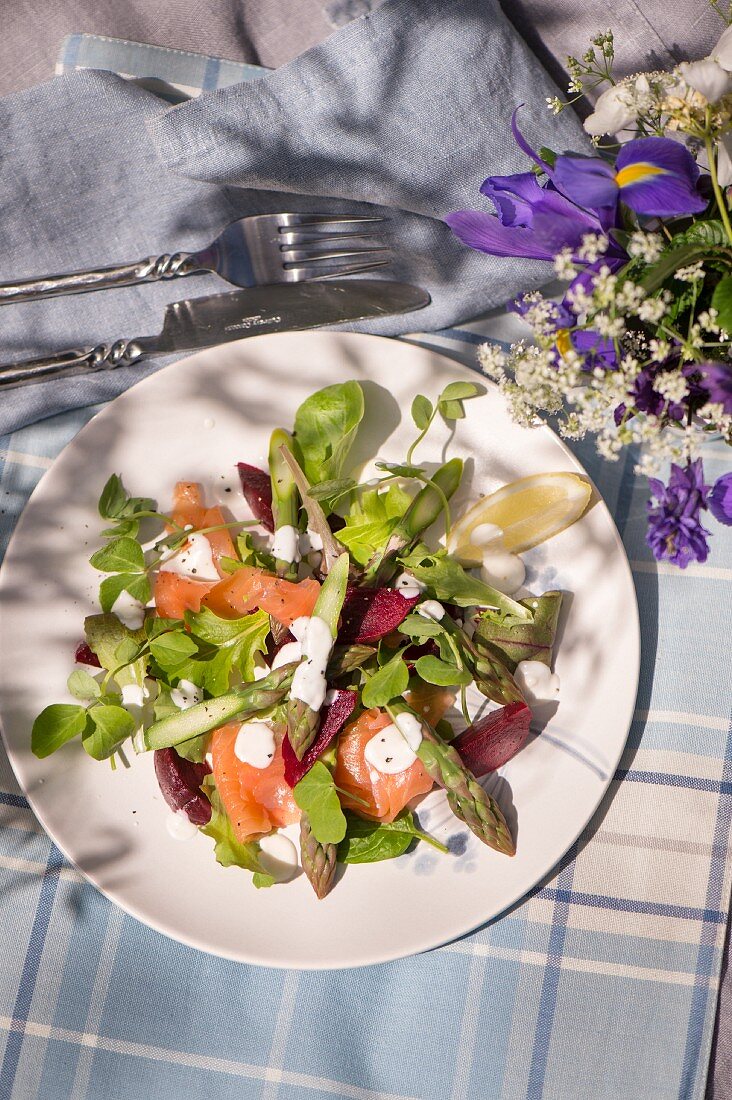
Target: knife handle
x,y
149,270
64,364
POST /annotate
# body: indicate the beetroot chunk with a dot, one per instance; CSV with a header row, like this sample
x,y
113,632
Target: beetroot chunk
x,y
180,781
86,656
257,489
333,719
371,613
491,742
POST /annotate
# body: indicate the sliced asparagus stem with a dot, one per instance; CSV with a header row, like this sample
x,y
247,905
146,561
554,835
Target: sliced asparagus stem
x,y
285,506
252,699
317,519
421,514
318,860
491,676
303,721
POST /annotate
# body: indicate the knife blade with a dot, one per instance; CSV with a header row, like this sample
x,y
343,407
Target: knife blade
x,y
196,323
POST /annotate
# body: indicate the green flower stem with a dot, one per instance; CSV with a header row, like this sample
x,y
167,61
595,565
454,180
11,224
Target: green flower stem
x,y
721,202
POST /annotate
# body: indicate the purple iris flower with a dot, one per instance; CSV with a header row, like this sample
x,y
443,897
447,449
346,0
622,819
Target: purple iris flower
x,y
653,176
675,532
720,499
534,220
718,383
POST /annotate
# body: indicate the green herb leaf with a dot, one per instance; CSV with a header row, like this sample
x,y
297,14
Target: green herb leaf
x,y
461,391
82,685
325,428
371,521
452,410
137,584
172,651
435,671
421,411
56,725
450,582
317,796
113,498
237,643
104,633
391,680
417,626
402,469
194,750
513,640
374,841
329,490
123,555
111,725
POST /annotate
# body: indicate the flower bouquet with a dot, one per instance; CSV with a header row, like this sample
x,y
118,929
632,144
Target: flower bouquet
x,y
637,349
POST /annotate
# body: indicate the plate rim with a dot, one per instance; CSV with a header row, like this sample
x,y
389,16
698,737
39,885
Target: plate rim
x,y
132,909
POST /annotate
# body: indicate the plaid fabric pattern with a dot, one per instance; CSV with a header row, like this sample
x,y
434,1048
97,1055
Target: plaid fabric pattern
x,y
602,983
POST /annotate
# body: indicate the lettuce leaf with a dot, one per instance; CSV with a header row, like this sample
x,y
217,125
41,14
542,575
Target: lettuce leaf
x,y
229,851
371,521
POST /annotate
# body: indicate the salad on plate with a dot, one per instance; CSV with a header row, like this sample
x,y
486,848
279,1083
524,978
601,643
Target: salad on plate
x,y
303,674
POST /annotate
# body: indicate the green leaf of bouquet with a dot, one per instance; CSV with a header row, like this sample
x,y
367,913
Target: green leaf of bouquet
x,y
669,262
710,232
722,302
391,680
56,725
82,685
111,726
123,555
435,671
113,498
325,428
316,794
421,411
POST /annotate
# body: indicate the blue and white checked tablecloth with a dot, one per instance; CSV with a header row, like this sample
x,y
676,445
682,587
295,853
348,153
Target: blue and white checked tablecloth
x,y
601,984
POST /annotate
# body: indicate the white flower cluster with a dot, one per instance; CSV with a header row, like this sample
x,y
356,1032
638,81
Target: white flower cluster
x,y
634,347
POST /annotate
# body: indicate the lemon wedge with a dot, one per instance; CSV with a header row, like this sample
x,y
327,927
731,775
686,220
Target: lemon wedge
x,y
520,515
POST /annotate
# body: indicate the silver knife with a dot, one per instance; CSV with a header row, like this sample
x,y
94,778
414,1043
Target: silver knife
x,y
203,322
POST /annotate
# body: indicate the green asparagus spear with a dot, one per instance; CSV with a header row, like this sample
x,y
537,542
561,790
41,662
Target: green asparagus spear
x,y
492,678
250,700
317,520
318,860
465,796
302,720
422,512
285,505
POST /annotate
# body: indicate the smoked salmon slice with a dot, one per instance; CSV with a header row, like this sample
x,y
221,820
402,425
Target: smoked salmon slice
x,y
375,795
175,595
188,506
257,800
249,588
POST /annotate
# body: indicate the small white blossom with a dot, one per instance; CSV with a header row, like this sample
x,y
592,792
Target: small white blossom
x,y
610,327
563,264
592,247
659,350
652,309
692,274
554,104
492,359
671,385
707,320
645,246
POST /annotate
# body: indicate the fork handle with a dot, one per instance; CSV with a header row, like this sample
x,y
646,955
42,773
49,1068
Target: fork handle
x,y
149,270
63,364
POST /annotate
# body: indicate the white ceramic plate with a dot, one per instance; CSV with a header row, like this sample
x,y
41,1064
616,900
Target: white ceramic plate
x,y
194,420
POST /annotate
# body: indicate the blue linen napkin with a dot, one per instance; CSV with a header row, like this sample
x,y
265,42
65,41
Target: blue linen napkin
x,y
408,107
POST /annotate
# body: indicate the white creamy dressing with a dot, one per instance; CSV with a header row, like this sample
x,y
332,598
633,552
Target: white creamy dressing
x,y
536,681
261,668
255,744
431,609
310,541
133,695
308,683
286,544
291,651
186,695
394,748
299,627
179,826
503,571
278,857
409,586
129,611
195,560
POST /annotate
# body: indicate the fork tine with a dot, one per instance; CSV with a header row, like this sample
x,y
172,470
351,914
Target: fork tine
x,y
315,274
292,257
311,236
325,219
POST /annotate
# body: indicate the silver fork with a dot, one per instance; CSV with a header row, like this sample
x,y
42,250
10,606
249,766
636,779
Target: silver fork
x,y
254,251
